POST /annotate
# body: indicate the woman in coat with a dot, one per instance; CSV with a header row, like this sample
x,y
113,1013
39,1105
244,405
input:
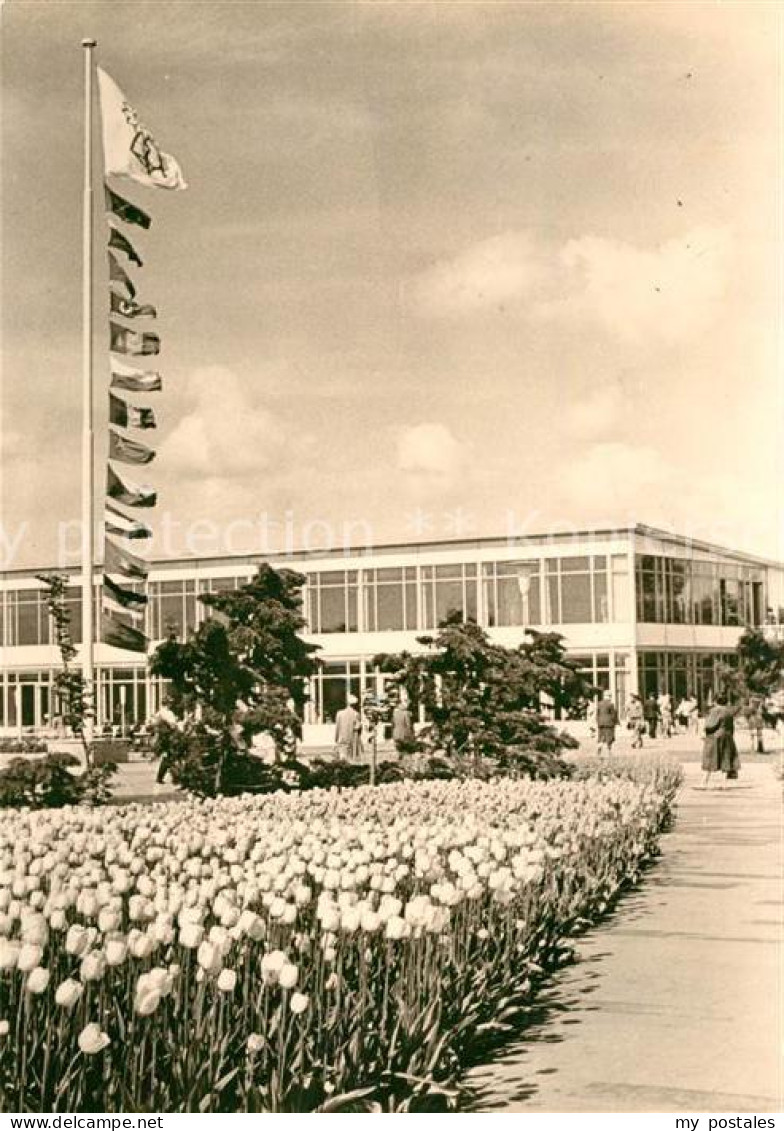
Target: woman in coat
x,y
719,751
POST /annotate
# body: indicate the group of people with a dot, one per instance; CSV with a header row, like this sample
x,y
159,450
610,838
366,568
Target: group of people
x,y
654,714
348,730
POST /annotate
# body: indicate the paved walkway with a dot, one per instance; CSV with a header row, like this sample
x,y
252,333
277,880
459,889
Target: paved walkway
x,y
676,1003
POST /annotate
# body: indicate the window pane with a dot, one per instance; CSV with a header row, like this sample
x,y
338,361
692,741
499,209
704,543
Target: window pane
x,y
576,598
73,605
190,612
601,608
647,584
411,605
384,576
449,572
333,610
390,608
170,616
449,599
471,610
621,603
353,607
28,632
510,602
729,602
575,565
554,609
333,698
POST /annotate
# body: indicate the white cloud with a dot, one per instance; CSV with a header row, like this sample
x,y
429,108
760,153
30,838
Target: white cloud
x,y
667,294
224,436
485,276
429,454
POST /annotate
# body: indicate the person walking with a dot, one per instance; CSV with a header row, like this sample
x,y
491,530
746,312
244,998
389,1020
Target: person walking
x,y
650,712
719,752
402,727
665,715
635,721
348,732
606,722
756,724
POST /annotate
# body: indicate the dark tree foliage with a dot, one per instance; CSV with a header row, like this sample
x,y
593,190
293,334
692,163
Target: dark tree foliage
x,y
758,670
486,700
242,673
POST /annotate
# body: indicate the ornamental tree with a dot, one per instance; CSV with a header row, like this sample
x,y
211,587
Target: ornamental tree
x,y
482,698
70,690
242,673
758,669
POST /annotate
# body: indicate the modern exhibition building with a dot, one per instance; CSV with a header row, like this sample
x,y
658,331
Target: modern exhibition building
x,y
641,609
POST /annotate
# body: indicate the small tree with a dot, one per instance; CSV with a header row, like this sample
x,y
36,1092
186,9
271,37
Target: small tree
x,y
482,698
70,689
758,670
242,673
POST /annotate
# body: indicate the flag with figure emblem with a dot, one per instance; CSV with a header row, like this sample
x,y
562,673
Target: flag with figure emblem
x,y
129,149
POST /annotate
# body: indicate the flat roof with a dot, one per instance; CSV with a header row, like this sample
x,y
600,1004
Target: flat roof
x,y
509,541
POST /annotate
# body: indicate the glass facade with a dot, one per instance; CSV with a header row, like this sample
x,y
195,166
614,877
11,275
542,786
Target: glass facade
x,y
389,599
539,587
681,673
591,589
512,593
332,601
171,608
675,591
447,590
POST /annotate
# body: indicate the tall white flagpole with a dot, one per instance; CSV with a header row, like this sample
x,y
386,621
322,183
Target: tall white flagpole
x,y
88,520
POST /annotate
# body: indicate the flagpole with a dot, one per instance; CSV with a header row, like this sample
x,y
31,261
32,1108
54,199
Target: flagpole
x,y
88,520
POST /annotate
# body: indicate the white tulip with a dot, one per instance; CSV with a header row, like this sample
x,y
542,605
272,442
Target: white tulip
x,y
30,956
209,957
227,980
299,1003
271,965
68,993
93,966
191,935
116,951
77,941
37,980
287,977
92,1040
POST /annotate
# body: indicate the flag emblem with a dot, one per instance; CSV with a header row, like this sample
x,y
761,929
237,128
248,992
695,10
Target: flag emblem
x,y
129,149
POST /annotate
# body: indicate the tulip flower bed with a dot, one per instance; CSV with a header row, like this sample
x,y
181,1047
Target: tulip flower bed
x,y
294,952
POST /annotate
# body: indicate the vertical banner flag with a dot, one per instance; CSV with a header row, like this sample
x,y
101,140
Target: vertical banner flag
x,y
129,151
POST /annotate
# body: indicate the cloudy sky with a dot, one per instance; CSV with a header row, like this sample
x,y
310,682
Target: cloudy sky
x,y
442,269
